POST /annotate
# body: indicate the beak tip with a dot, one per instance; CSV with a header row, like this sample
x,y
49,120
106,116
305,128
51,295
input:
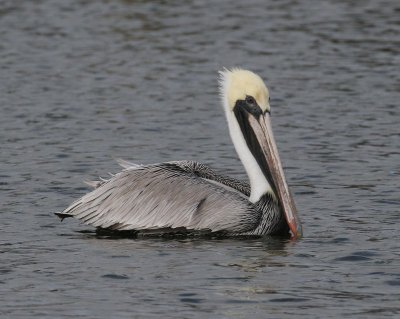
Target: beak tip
x,y
296,230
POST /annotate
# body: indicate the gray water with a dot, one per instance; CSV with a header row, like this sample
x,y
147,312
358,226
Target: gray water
x,y
84,82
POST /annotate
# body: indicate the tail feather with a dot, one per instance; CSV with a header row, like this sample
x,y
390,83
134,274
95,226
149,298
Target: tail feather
x,y
63,216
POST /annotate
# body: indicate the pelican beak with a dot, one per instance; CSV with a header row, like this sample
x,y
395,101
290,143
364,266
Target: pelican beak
x,y
261,126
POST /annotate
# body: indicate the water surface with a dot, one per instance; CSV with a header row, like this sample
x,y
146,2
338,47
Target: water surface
x,y
84,82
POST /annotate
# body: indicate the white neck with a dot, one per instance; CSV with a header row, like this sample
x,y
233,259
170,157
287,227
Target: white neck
x,y
258,183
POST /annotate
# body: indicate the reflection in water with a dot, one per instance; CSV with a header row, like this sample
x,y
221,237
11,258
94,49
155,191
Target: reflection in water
x,y
261,253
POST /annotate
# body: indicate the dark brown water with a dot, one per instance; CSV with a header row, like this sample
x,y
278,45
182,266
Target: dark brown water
x,y
82,82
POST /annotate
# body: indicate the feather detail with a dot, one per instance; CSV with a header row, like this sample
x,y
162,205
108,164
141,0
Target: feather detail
x,y
167,196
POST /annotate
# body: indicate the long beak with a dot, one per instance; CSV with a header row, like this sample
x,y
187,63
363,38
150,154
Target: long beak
x,y
263,131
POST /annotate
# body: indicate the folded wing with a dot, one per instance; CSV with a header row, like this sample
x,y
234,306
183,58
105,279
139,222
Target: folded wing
x,y
167,196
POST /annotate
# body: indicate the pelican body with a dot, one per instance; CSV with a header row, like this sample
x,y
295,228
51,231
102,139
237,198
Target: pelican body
x,y
189,197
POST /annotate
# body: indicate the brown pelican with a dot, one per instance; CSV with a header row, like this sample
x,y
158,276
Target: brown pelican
x,y
187,196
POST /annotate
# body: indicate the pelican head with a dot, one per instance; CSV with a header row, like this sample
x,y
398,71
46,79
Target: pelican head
x,y
245,98
239,85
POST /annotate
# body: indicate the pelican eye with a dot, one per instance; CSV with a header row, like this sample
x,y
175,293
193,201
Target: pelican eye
x,y
250,100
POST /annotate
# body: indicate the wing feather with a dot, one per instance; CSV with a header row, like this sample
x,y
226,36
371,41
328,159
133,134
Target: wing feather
x,y
167,196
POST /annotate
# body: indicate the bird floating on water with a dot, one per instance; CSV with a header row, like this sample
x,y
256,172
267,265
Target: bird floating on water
x,y
190,197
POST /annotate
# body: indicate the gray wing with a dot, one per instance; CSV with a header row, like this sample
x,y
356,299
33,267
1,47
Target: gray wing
x,y
206,172
167,195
